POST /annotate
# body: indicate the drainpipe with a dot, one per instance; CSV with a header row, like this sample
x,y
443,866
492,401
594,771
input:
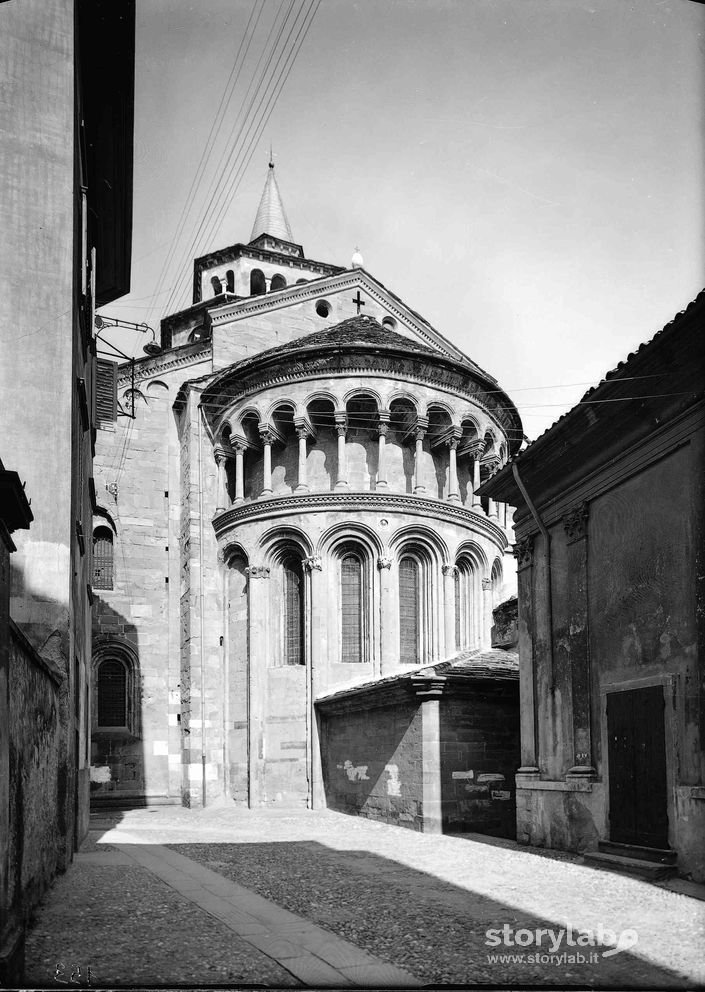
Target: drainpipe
x,y
547,543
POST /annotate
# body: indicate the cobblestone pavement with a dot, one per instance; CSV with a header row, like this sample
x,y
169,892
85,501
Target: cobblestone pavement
x,y
417,902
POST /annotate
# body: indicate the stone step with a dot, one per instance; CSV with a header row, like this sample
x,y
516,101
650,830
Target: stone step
x,y
639,867
662,856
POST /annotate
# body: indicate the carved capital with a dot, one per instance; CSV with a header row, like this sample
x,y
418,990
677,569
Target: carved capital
x,y
452,442
266,435
221,453
384,561
450,570
382,430
486,584
313,561
239,447
524,551
258,571
302,432
575,523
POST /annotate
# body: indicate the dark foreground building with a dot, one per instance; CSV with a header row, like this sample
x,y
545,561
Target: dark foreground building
x,y
609,528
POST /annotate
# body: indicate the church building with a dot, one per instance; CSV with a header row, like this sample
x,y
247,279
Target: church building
x,y
289,510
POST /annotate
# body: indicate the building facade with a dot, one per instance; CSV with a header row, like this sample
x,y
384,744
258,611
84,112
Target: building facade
x,y
610,538
65,162
292,509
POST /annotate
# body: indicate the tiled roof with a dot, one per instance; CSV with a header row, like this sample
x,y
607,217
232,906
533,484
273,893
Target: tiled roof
x,y
360,330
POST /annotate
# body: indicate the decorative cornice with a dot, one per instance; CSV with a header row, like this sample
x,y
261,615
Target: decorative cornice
x,y
524,551
152,367
575,523
423,506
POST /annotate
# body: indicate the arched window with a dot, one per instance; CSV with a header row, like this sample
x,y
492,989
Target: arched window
x,y
102,558
258,284
217,285
466,605
278,282
352,608
112,694
496,580
409,611
293,611
230,281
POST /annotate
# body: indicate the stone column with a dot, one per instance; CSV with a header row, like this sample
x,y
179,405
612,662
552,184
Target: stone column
x,y
428,692
492,509
267,440
317,613
453,490
220,460
257,593
450,573
382,430
239,471
341,426
389,650
524,554
476,501
302,434
419,488
575,524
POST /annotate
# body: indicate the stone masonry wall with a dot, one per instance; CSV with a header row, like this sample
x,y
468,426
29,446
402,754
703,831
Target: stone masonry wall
x,y
479,756
38,777
372,763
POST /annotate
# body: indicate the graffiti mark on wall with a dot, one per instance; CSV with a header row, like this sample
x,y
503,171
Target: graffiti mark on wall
x,y
356,773
393,783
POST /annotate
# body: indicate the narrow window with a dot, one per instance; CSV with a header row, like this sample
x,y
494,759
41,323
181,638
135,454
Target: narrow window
x,y
351,608
217,286
230,281
102,558
278,282
459,611
409,626
293,619
112,694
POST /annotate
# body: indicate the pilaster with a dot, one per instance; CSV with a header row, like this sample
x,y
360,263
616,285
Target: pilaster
x,y
576,530
524,554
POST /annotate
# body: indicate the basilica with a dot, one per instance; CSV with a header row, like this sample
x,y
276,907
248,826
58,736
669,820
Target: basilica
x,y
288,513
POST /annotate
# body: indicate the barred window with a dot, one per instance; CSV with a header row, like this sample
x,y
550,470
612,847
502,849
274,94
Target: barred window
x,y
409,611
293,620
467,598
112,694
352,615
102,558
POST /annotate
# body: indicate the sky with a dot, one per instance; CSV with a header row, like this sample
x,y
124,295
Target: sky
x,y
525,174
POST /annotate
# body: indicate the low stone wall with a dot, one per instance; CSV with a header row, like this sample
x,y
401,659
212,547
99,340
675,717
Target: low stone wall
x,y
372,763
479,758
38,776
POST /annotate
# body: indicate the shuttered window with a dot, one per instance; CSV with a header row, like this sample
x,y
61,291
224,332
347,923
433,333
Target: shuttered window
x,y
102,558
112,694
106,390
409,603
351,608
293,620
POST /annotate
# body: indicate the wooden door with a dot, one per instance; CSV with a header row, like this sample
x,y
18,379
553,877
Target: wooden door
x,y
637,767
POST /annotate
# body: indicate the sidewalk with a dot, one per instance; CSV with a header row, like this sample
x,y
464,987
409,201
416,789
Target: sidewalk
x,y
230,897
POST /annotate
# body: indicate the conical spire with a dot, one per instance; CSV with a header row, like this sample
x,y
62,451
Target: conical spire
x,y
271,218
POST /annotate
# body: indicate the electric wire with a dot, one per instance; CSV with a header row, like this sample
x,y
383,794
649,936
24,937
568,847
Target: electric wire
x,y
247,140
218,178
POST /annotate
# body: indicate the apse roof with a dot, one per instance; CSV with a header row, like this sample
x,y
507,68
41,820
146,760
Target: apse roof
x,y
360,330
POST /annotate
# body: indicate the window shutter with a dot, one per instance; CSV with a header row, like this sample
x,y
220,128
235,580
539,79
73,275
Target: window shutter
x,y
112,694
409,611
106,390
351,608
